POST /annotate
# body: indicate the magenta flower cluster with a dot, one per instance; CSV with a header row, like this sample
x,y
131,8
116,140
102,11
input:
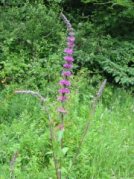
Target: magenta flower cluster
x,y
68,65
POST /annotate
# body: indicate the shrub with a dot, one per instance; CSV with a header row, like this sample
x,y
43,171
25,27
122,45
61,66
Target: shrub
x,y
31,41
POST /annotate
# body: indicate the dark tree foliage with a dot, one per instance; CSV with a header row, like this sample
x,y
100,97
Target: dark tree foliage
x,y
33,37
106,38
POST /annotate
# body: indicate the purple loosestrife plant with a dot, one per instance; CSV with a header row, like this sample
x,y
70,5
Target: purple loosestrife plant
x,y
65,84
67,67
63,91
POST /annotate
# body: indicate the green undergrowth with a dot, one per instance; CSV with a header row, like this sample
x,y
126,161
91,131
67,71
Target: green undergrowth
x,y
107,152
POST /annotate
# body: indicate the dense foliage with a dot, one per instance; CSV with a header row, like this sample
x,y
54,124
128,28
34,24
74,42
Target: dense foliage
x,y
32,39
31,44
105,39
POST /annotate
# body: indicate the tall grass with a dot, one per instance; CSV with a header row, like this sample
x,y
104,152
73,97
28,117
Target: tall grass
x,y
106,153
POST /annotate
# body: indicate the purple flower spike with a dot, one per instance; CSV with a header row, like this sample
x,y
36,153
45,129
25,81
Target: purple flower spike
x,y
64,91
71,33
62,98
69,59
66,73
71,39
68,66
65,83
68,51
70,45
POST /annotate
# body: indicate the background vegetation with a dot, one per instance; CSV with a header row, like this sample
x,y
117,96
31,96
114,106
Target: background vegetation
x,y
32,40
